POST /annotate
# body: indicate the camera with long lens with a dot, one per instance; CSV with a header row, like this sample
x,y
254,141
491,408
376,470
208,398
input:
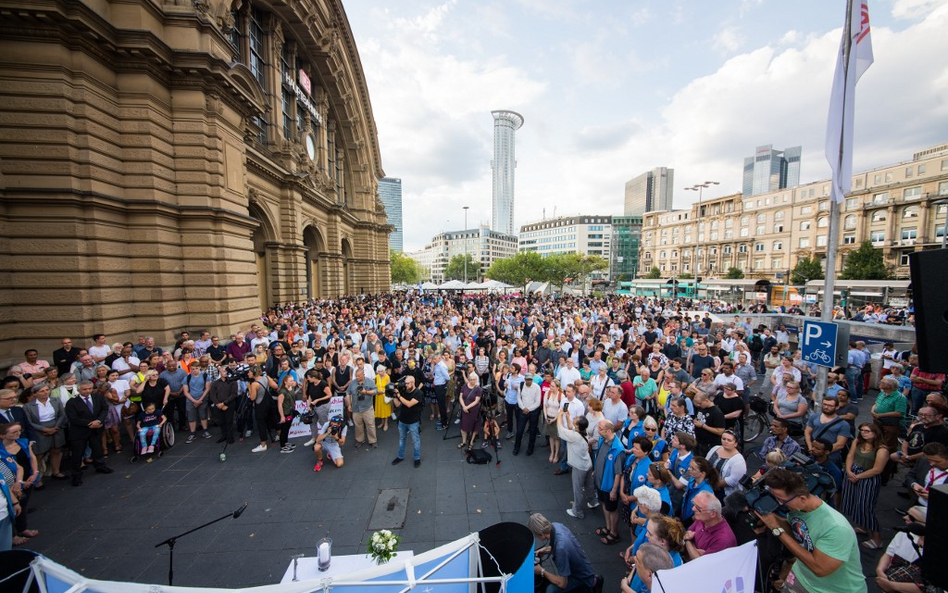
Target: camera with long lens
x,y
335,425
757,497
238,373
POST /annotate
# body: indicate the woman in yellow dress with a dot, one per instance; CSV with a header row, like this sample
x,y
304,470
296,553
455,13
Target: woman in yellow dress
x,y
382,409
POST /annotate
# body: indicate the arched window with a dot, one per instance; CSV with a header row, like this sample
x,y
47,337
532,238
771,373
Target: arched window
x,y
761,218
822,223
878,216
910,212
849,223
805,225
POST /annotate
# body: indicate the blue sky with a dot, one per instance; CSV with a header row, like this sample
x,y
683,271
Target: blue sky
x,y
609,89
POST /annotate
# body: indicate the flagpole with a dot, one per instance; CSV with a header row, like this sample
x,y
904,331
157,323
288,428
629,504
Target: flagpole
x,y
832,241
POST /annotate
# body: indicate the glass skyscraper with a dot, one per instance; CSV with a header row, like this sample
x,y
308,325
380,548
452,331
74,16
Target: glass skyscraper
x,y
506,123
770,170
650,191
390,194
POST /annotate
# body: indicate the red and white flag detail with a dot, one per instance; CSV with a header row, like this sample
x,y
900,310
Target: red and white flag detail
x,y
839,126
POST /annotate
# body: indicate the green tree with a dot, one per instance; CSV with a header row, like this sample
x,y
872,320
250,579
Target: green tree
x,y
455,268
654,273
807,269
685,276
517,270
405,270
865,263
734,273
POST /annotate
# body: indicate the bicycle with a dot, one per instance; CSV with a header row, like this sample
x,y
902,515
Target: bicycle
x,y
756,421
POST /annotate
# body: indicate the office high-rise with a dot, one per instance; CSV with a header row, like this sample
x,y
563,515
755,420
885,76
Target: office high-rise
x,y
390,194
506,123
649,192
770,170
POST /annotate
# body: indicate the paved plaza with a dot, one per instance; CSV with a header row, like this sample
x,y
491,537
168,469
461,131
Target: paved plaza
x,y
108,527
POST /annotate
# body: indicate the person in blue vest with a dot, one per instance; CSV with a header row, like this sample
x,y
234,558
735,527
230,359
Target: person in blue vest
x,y
683,446
634,474
574,572
633,426
609,461
9,509
702,477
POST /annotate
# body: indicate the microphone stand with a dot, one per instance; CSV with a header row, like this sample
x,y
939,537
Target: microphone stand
x,y
170,542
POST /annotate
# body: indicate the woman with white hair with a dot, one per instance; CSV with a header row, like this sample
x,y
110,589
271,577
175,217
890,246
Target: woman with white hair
x,y
648,502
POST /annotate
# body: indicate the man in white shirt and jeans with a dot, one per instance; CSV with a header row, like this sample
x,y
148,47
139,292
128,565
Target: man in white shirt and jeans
x,y
528,412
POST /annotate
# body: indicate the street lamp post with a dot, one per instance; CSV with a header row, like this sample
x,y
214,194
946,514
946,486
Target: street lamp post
x,y
465,243
698,187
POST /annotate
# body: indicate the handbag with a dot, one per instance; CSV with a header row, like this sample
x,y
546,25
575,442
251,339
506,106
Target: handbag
x,y
903,571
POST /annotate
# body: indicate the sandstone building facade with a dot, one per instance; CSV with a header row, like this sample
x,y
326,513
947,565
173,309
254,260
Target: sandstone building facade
x,y
171,164
899,208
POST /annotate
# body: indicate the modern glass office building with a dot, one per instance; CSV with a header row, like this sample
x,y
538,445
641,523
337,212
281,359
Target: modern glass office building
x,y
506,123
771,170
390,194
649,192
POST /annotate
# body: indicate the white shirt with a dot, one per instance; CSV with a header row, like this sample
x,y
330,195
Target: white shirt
x,y
721,380
126,369
575,408
568,376
598,384
46,411
529,396
100,352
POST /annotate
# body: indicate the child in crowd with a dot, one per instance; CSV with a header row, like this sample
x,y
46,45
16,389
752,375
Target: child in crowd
x,y
148,424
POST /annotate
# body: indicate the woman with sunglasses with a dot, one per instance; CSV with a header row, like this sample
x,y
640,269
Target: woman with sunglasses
x,y
728,461
660,450
703,384
864,464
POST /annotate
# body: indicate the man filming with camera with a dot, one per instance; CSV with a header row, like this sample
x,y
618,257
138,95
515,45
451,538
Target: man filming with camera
x,y
819,537
408,401
329,442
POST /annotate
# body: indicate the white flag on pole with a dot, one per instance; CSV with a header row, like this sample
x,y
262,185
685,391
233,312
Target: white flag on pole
x,y
733,570
839,126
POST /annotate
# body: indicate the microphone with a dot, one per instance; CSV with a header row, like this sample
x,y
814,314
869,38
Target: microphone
x,y
240,511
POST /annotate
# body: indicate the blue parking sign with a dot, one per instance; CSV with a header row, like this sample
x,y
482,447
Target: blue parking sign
x,y
818,342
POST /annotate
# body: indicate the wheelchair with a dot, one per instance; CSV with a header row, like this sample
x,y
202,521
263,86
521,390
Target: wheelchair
x,y
165,441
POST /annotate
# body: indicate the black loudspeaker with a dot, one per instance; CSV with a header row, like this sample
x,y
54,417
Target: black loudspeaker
x,y
934,567
507,548
929,271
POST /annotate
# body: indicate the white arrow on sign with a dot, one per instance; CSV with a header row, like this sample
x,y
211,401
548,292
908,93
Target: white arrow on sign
x,y
827,344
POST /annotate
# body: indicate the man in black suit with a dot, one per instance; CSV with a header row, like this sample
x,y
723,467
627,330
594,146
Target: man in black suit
x,y
86,414
10,412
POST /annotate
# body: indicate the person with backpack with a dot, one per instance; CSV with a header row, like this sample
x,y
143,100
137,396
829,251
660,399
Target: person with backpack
x,y
756,345
195,390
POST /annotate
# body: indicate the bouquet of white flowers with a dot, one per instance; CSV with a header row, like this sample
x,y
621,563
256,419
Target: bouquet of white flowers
x,y
382,546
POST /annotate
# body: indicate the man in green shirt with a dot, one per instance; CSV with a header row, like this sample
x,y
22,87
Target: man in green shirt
x,y
821,539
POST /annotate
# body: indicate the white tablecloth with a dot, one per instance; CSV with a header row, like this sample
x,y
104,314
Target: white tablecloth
x,y
307,567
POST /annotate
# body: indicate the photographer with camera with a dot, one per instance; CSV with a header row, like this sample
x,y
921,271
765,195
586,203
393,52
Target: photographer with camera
x,y
820,538
360,402
329,441
408,401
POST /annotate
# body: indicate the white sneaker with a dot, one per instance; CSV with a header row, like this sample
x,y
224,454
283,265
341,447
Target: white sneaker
x,y
592,506
259,449
309,443
570,512
286,450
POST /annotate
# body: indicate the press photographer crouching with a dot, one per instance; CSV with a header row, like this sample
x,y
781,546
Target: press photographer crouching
x,y
819,537
329,441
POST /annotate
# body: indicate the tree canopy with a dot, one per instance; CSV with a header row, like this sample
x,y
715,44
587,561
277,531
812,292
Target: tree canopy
x,y
654,273
405,270
865,263
556,269
455,268
734,273
807,269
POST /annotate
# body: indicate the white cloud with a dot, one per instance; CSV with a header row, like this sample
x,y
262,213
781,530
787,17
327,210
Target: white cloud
x,y
728,40
432,102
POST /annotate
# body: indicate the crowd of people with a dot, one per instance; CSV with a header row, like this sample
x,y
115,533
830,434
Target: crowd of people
x,y
640,400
